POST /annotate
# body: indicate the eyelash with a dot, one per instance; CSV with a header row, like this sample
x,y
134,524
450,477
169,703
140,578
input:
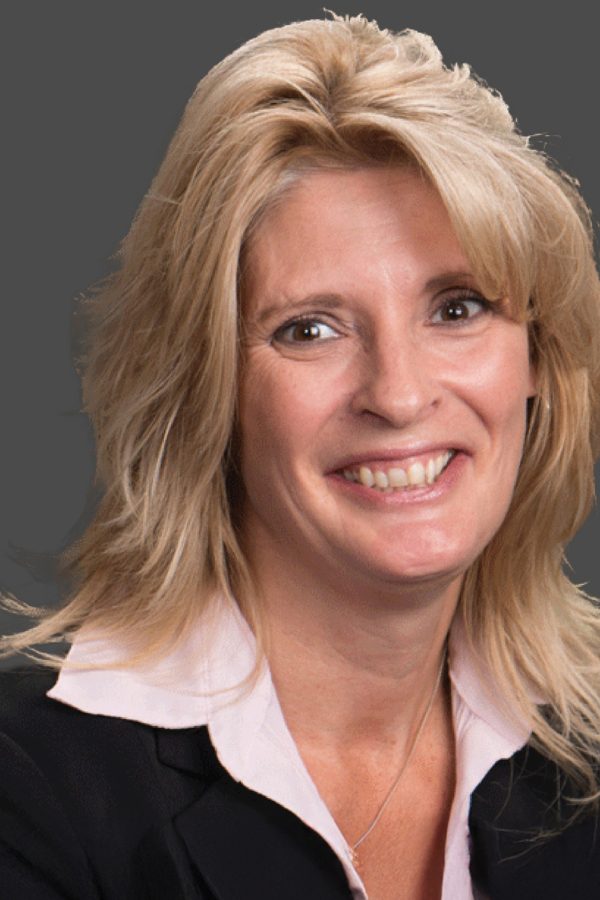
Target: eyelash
x,y
486,306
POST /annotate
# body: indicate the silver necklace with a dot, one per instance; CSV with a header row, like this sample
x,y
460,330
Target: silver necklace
x,y
353,848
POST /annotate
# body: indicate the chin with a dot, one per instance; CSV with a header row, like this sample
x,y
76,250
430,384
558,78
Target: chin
x,y
411,568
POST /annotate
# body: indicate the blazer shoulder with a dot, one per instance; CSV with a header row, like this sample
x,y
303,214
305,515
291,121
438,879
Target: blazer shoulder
x,y
40,724
80,794
81,756
41,855
23,693
526,839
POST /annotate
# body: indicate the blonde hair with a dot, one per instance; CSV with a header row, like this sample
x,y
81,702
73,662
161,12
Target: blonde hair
x,y
161,378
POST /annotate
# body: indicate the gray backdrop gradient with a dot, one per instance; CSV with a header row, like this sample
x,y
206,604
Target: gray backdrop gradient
x,y
94,92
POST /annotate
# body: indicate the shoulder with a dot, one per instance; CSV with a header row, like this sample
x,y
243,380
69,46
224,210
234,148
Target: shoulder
x,y
96,765
48,729
77,793
526,840
76,752
40,851
89,751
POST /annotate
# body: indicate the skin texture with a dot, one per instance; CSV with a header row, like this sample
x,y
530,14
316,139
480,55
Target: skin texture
x,y
396,358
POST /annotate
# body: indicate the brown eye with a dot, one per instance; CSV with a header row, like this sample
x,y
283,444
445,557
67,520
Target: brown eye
x,y
460,309
305,331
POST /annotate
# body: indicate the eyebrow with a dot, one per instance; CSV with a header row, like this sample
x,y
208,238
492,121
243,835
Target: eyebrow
x,y
447,279
332,301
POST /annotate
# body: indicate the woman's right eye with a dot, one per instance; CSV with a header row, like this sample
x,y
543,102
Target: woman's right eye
x,y
305,331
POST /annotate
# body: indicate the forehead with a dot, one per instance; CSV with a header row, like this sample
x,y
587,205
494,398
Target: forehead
x,y
334,227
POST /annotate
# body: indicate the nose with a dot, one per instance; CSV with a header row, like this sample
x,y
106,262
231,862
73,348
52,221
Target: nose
x,y
397,380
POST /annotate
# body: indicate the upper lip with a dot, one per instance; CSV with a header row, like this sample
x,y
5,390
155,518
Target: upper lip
x,y
397,454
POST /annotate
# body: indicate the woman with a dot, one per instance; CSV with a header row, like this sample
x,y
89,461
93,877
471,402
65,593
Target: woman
x,y
346,393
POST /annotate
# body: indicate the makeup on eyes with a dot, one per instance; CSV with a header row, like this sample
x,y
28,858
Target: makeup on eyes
x,y
308,328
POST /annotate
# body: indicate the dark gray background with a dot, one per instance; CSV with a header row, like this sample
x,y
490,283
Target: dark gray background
x,y
94,91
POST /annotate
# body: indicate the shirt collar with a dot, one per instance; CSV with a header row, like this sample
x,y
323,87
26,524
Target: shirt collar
x,y
204,682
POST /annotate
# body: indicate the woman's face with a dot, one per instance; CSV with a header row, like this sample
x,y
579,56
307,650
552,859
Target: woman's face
x,y
383,400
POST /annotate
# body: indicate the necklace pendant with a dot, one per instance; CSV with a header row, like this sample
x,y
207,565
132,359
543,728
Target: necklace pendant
x,y
355,858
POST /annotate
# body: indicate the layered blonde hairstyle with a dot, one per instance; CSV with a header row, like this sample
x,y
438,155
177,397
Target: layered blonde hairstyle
x,y
160,381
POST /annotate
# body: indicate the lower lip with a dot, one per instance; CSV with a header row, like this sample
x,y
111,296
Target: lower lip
x,y
425,494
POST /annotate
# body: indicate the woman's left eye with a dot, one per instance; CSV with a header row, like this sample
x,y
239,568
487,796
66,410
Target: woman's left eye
x,y
460,309
305,331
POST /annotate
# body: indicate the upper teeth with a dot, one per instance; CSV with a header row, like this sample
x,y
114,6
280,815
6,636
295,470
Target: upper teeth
x,y
396,477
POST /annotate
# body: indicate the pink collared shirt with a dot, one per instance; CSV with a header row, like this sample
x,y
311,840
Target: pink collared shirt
x,y
196,685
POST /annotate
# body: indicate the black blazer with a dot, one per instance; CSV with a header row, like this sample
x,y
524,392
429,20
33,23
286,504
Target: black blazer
x,y
99,808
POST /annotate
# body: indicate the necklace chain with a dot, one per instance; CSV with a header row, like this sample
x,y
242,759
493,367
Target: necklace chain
x,y
354,847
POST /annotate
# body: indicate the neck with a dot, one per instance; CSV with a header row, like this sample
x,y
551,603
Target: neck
x,y
353,666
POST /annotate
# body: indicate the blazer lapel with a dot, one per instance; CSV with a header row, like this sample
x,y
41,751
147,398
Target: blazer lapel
x,y
240,843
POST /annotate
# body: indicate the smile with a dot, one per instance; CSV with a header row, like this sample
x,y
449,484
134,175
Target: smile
x,y
395,478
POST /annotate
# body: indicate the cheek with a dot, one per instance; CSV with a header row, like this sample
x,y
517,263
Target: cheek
x,y
500,400
287,403
278,419
499,378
